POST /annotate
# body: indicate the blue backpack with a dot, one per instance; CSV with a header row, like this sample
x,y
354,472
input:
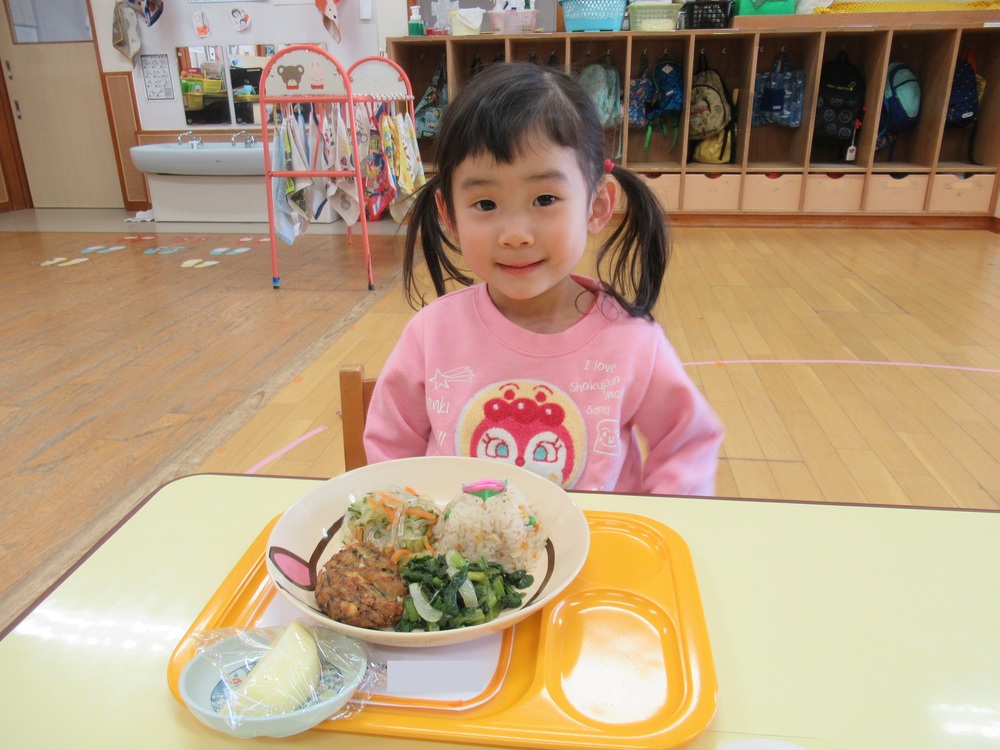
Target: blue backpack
x,y
640,95
664,111
900,105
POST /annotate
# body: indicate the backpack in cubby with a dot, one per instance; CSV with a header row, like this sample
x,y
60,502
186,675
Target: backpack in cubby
x,y
601,81
840,101
710,110
640,95
664,111
963,100
900,105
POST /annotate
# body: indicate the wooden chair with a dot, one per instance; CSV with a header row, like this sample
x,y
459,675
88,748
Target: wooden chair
x,y
355,396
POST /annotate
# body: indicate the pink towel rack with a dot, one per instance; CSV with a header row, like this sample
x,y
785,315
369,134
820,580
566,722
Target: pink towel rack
x,y
308,74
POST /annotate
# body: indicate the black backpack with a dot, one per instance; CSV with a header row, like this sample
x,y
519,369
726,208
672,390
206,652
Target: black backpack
x,y
963,101
840,103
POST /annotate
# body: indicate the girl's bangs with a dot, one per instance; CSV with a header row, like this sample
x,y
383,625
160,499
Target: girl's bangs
x,y
509,126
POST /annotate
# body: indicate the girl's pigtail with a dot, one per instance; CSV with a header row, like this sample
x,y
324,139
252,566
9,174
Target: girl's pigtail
x,y
425,223
638,250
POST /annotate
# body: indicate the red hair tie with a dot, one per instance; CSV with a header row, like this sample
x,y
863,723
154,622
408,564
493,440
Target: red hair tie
x,y
608,166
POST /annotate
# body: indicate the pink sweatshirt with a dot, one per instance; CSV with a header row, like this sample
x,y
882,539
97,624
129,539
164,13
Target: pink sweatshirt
x,y
463,380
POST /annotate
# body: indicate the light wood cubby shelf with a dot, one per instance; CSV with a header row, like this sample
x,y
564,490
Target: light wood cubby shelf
x,y
780,176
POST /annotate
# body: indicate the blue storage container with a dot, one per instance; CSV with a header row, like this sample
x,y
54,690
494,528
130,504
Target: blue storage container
x,y
593,15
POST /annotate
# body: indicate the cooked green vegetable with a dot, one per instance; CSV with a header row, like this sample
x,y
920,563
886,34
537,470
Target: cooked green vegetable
x,y
447,591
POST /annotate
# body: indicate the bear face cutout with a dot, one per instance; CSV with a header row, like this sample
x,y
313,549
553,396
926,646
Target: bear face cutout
x,y
291,75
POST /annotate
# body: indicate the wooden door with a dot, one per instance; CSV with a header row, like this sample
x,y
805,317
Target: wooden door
x,y
13,182
57,105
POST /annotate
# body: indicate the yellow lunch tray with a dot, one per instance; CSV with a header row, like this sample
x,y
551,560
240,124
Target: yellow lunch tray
x,y
620,659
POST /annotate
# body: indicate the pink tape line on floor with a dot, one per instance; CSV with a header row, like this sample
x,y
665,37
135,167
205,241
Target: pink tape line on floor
x,y
274,456
963,368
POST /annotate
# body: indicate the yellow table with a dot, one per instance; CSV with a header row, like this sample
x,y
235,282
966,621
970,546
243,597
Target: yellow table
x,y
833,627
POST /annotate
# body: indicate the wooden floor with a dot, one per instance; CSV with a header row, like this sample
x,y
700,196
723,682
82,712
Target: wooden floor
x,y
848,366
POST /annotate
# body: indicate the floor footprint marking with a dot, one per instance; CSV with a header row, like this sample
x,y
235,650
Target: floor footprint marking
x,y
74,262
52,262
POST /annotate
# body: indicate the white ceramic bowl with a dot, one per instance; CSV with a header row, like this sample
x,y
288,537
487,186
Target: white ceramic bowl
x,y
203,691
308,534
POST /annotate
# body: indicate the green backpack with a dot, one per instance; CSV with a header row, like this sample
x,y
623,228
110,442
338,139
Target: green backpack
x,y
601,81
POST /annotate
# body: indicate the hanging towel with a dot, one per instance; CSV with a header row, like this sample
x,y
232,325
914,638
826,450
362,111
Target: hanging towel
x,y
342,191
299,191
285,220
409,167
331,20
125,31
315,193
380,185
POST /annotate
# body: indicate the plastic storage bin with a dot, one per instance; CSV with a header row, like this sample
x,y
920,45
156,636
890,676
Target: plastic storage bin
x,y
708,14
765,7
513,21
461,27
653,16
593,15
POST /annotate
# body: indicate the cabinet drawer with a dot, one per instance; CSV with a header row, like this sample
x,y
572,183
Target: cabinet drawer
x,y
834,192
765,192
666,188
896,195
716,192
958,195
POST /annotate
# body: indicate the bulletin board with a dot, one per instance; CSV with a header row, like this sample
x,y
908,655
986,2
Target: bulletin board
x,y
158,77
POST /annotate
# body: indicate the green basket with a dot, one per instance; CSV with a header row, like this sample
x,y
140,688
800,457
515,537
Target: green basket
x,y
765,7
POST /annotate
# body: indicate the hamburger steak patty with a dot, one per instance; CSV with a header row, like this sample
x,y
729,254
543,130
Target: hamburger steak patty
x,y
361,586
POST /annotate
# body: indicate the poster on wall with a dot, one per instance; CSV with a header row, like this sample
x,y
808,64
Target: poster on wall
x,y
158,77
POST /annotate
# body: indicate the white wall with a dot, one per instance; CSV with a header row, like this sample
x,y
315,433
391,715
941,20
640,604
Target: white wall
x,y
272,22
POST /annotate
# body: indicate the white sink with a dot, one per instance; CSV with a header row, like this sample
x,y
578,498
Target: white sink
x,y
221,159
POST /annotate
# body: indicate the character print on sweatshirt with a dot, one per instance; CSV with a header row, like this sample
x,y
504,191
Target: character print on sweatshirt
x,y
608,440
526,423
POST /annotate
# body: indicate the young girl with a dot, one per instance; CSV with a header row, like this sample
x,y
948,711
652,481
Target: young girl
x,y
538,366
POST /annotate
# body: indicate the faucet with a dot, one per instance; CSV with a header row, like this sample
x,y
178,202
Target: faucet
x,y
195,140
248,139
